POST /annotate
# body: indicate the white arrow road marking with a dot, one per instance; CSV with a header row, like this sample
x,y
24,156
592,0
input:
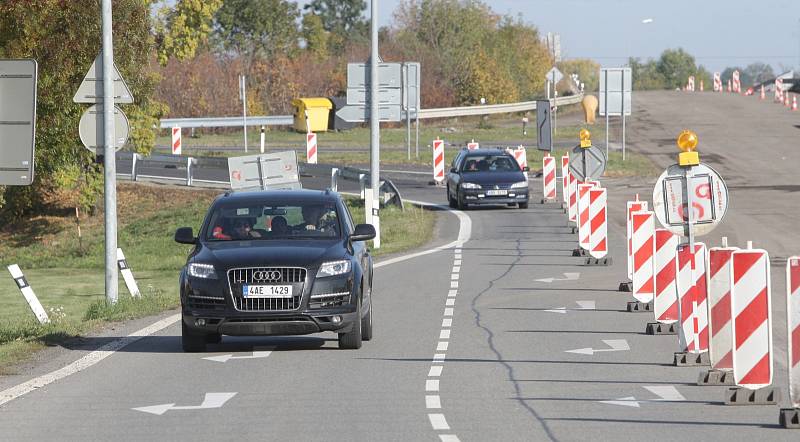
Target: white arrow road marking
x,y
567,277
212,400
226,358
582,305
615,344
665,393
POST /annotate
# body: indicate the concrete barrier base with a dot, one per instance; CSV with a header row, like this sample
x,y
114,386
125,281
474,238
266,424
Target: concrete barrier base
x,y
745,396
715,377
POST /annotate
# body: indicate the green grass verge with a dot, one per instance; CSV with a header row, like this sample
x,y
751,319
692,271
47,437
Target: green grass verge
x,y
67,274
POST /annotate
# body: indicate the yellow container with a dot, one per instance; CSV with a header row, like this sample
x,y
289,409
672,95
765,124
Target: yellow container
x,y
317,110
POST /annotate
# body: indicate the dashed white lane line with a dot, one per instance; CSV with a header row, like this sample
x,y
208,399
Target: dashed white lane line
x,y
454,277
444,334
457,262
450,301
452,293
435,371
433,401
456,268
448,311
453,284
432,385
438,421
439,357
442,346
449,438
447,322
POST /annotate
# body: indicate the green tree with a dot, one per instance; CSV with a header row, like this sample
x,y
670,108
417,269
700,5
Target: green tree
x,y
587,70
675,66
64,38
646,76
342,17
257,28
759,72
182,29
315,35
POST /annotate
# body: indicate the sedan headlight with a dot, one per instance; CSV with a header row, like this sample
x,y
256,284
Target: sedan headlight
x,y
470,186
204,271
520,185
333,268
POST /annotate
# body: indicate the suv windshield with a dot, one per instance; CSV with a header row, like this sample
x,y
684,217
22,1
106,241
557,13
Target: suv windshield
x,y
264,221
489,163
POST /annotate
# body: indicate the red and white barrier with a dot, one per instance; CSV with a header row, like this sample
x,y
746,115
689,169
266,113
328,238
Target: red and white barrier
x,y
737,84
701,86
473,145
751,318
690,280
598,235
643,245
549,177
521,157
438,160
690,85
311,148
572,208
719,302
779,90
763,94
730,87
665,301
793,327
176,140
631,207
717,82
794,102
565,178
583,214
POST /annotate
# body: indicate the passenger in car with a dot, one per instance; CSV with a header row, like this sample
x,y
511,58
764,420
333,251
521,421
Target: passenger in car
x,y
279,225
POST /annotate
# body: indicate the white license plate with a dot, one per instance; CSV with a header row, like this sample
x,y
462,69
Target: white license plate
x,y
496,192
266,291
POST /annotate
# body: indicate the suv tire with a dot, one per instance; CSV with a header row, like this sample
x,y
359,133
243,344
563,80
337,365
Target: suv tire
x,y
366,321
450,200
192,342
523,205
352,339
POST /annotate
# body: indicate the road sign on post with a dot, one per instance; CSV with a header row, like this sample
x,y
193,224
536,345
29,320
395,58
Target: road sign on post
x,y
544,129
91,89
18,80
587,162
268,171
91,129
615,98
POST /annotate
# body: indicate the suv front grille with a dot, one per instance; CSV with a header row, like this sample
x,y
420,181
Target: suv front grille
x,y
294,276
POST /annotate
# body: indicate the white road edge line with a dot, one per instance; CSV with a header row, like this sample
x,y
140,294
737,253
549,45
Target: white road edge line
x,y
9,394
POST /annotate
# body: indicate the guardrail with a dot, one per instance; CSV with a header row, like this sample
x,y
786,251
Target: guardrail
x,y
287,120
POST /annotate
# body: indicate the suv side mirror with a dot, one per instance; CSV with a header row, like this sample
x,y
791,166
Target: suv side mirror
x,y
363,232
184,235
453,170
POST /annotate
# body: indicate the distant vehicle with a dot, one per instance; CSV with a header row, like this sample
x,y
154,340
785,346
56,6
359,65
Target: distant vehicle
x,y
276,263
486,176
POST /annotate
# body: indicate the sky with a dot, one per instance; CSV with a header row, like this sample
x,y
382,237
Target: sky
x,y
718,33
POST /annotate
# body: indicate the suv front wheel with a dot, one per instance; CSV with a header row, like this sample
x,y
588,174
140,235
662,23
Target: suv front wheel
x,y
192,342
352,339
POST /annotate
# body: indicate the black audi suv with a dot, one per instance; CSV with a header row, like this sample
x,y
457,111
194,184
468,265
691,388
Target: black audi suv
x,y
486,176
276,263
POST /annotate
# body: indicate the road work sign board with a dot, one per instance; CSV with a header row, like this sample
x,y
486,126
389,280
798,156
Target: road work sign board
x,y
91,89
615,91
587,163
544,132
709,196
17,121
266,171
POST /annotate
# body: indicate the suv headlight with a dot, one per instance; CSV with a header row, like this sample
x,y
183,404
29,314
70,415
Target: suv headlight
x,y
204,271
333,268
520,185
470,186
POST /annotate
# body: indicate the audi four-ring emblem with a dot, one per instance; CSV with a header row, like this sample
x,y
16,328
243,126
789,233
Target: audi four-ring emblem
x,y
267,275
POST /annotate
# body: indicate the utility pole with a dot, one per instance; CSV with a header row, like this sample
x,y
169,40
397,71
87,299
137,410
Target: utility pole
x,y
374,122
243,97
110,169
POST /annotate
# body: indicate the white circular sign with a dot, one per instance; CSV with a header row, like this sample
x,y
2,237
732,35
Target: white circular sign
x,y
709,197
91,128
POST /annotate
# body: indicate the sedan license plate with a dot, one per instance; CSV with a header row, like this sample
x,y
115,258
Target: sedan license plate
x,y
497,192
266,291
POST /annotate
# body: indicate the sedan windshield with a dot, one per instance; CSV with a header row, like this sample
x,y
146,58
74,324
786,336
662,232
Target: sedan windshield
x,y
489,163
265,221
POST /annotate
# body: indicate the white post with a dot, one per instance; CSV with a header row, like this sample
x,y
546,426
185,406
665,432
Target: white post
x,y
110,172
374,117
262,139
243,96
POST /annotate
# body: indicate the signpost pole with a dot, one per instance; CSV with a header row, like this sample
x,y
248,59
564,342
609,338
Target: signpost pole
x,y
555,105
406,79
416,124
243,89
374,120
110,170
623,115
605,108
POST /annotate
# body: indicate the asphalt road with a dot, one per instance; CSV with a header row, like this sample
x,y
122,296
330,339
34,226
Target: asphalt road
x,y
468,344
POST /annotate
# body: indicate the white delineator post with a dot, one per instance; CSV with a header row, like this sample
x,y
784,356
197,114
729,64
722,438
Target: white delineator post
x,y
643,246
719,302
598,236
548,178
27,292
262,139
176,141
438,160
127,274
751,318
311,148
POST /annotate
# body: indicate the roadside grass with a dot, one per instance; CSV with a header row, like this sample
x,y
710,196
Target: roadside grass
x,y
635,164
67,275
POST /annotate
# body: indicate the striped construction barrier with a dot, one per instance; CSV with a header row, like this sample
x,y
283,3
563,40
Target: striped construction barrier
x,y
549,178
643,246
521,156
717,82
793,328
598,235
631,207
572,207
690,281
438,160
751,318
737,84
473,145
311,148
565,178
176,140
719,303
583,214
665,300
